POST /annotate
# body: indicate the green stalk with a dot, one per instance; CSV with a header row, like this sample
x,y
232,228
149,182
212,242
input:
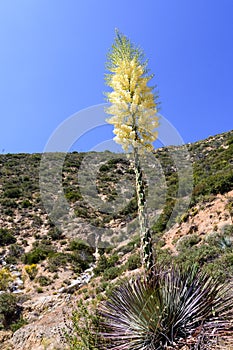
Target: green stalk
x,y
145,232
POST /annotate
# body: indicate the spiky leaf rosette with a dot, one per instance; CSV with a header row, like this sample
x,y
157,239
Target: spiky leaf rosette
x,y
174,309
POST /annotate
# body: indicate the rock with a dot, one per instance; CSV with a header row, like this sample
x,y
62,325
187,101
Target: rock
x,y
46,327
5,335
83,279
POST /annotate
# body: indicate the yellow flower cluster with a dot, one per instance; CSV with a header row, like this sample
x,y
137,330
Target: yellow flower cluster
x,y
31,270
133,109
5,278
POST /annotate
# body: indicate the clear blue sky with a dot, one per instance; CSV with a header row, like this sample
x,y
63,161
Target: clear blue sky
x,y
53,54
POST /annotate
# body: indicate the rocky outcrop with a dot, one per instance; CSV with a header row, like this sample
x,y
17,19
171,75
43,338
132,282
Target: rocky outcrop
x,y
46,328
47,317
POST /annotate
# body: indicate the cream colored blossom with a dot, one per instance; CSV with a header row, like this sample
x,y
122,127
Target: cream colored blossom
x,y
132,105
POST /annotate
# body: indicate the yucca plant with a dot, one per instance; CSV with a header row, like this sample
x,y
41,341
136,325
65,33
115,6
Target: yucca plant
x,y
176,308
133,111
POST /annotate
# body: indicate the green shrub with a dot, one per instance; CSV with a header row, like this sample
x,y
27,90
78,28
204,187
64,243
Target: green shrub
x,y
55,234
130,208
187,242
113,259
82,254
102,265
6,237
37,221
15,251
81,261
79,245
105,263
83,333
10,311
26,204
58,260
37,254
104,168
228,230
9,203
81,212
11,259
111,273
126,249
213,255
8,212
18,324
133,262
73,195
14,192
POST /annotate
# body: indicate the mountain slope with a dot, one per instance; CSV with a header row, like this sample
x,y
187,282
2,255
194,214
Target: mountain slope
x,y
45,258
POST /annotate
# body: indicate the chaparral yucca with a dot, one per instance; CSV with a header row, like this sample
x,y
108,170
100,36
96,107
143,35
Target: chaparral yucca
x,y
133,113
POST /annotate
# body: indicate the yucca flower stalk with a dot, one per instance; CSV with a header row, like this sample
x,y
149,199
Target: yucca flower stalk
x,y
174,309
133,113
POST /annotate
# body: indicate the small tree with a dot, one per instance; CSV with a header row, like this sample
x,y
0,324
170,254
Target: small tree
x,y
9,310
133,113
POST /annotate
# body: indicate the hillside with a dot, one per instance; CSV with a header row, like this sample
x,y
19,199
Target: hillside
x,y
47,260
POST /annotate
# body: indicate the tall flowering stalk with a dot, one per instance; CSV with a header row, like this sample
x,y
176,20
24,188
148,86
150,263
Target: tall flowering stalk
x,y
133,113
